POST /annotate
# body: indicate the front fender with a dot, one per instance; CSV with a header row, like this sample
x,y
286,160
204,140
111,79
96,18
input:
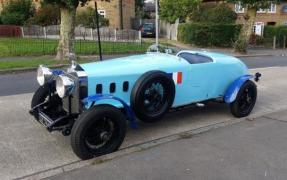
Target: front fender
x,y
234,88
96,98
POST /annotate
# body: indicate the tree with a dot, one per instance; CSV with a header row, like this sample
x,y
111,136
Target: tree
x,y
67,30
170,10
48,14
217,14
251,6
139,4
87,18
17,12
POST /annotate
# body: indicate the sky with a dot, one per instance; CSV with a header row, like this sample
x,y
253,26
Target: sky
x,y
148,1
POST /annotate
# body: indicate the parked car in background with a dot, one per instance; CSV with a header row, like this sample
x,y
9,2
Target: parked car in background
x,y
148,30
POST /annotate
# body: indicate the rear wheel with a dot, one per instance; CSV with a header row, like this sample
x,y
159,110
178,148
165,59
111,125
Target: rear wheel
x,y
98,131
152,96
245,100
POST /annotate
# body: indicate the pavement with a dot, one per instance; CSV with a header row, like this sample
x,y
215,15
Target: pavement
x,y
20,83
249,150
28,151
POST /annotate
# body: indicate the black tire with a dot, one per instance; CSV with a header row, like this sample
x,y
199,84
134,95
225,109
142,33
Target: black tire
x,y
39,97
87,131
245,100
152,106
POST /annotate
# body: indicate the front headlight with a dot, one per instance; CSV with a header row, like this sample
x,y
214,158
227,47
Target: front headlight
x,y
43,74
64,86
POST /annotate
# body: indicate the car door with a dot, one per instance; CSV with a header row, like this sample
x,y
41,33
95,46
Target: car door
x,y
201,76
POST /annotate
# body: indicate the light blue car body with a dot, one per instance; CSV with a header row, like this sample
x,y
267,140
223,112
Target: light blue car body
x,y
221,78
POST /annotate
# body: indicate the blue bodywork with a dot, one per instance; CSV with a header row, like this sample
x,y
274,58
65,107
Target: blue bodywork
x,y
97,98
233,90
200,82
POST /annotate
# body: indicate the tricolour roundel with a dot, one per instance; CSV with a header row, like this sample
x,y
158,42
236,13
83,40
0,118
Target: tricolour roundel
x,y
177,77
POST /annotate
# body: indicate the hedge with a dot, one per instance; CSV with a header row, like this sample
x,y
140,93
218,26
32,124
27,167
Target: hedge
x,y
278,31
221,35
271,31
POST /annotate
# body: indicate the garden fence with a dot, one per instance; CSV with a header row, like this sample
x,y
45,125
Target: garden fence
x,y
82,33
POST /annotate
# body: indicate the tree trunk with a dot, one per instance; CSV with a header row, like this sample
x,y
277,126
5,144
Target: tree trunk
x,y
67,34
247,30
249,24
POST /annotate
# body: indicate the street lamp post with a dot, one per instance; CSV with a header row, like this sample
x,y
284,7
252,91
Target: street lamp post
x,y
98,30
156,23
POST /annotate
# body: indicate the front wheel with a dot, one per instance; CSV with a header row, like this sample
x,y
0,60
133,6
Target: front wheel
x,y
98,131
245,100
46,95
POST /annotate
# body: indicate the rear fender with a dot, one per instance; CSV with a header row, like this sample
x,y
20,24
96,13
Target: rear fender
x,y
91,100
232,91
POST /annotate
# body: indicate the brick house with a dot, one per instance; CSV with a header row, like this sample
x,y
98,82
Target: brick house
x,y
275,15
116,11
119,12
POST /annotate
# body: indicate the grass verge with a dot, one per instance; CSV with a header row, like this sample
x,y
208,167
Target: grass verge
x,y
33,63
35,47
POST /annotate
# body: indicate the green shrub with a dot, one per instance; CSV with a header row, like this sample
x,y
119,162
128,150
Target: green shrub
x,y
211,13
87,19
17,12
208,34
278,31
270,31
14,18
48,14
240,45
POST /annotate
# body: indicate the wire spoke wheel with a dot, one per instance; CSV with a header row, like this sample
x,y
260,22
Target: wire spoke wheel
x,y
155,97
152,96
100,134
98,131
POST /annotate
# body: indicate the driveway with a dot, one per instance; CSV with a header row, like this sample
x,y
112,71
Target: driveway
x,y
27,148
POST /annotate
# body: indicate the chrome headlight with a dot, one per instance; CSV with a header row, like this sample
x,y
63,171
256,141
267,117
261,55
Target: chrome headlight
x,y
43,74
64,86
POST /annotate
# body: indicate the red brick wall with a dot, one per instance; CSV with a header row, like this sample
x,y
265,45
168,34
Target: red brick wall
x,y
10,31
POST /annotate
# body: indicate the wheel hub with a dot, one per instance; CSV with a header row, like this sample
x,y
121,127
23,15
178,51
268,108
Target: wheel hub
x,y
104,136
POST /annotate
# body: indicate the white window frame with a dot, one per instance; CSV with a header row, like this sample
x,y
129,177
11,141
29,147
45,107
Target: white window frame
x,y
239,8
102,12
272,8
261,10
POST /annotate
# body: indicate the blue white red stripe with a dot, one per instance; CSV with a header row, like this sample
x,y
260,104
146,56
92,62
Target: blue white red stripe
x,y
177,77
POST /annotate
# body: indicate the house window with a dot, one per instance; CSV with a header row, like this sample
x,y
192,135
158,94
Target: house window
x,y
284,9
239,8
102,13
261,10
271,23
272,8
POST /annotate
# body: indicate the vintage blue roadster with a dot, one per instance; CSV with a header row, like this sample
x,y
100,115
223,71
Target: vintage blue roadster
x,y
92,102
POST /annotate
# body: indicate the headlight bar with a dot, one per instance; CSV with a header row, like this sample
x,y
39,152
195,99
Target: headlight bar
x,y
43,75
64,86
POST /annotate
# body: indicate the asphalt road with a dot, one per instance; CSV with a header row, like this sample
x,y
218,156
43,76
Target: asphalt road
x,y
26,82
247,150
